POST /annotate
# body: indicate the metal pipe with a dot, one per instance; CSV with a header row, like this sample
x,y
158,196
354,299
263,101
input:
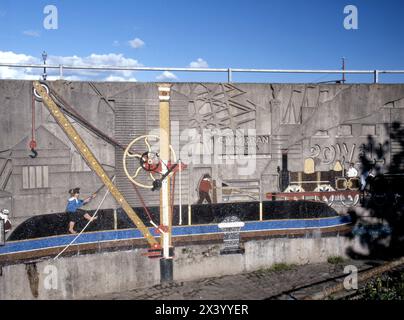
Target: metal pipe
x,y
376,76
302,71
113,68
392,71
229,75
229,71
122,68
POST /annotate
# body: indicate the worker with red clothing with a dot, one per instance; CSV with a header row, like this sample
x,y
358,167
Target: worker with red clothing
x,y
204,187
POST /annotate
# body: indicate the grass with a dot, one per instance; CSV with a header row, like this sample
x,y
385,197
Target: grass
x,y
335,260
277,267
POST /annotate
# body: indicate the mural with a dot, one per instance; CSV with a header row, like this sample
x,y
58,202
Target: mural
x,y
221,106
303,139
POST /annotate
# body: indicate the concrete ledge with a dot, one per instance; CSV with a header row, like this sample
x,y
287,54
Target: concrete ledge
x,y
96,274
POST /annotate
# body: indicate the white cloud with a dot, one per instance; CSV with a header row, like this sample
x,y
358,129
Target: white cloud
x,y
112,78
199,63
111,60
11,57
166,76
31,33
20,73
136,43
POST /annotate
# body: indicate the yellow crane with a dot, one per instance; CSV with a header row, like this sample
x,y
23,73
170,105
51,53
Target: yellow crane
x,y
92,162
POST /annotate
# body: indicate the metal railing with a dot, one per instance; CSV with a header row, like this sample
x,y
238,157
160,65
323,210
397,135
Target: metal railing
x,y
228,71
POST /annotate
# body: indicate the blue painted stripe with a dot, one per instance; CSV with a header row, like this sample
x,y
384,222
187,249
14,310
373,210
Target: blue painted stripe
x,y
103,236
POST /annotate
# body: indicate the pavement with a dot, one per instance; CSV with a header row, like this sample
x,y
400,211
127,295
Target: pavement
x,y
272,283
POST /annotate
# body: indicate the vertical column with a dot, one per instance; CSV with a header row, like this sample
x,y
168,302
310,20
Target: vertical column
x,y
2,233
376,76
166,266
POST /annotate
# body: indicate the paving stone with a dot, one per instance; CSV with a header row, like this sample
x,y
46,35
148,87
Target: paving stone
x,y
254,285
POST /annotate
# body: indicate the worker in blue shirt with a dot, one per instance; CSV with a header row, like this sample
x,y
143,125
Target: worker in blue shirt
x,y
73,211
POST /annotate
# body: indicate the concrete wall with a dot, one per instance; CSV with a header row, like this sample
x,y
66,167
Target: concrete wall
x,y
89,275
326,125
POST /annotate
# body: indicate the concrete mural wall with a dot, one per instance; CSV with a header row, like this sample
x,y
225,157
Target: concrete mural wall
x,y
85,276
314,131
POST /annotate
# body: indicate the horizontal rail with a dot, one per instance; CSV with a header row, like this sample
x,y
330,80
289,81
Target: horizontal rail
x,y
111,68
229,71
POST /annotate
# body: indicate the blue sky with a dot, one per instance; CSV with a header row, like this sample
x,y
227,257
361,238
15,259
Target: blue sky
x,y
288,34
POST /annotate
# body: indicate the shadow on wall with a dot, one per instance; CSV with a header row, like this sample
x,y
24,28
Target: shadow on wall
x,y
379,221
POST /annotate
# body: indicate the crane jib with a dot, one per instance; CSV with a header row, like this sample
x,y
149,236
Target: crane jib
x,y
92,162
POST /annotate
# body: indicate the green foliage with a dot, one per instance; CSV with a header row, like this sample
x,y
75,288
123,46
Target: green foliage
x,y
385,287
335,260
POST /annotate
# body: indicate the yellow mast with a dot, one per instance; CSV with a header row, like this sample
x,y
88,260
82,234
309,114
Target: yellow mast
x,y
165,208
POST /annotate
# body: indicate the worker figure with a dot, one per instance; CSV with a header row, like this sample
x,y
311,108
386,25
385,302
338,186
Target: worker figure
x,y
73,211
352,172
204,187
4,216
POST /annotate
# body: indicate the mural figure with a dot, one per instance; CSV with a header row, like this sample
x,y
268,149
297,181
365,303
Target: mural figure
x,y
4,216
352,172
205,185
72,208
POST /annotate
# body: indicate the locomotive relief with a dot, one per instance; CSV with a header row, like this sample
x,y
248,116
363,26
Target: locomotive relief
x,y
332,187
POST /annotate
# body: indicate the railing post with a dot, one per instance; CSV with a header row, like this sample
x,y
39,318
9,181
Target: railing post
x,y
60,71
376,76
229,75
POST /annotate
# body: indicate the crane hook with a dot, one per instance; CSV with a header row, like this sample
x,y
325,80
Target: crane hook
x,y
32,145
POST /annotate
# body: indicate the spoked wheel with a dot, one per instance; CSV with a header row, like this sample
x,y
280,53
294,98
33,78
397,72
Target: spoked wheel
x,y
148,161
294,189
328,199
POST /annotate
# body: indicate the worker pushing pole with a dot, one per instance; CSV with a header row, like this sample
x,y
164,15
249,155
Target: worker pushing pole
x,y
166,262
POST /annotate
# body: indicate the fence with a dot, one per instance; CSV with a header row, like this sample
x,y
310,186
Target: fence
x,y
229,71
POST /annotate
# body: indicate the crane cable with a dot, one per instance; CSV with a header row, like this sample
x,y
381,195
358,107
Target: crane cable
x,y
69,110
33,144
143,204
147,210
